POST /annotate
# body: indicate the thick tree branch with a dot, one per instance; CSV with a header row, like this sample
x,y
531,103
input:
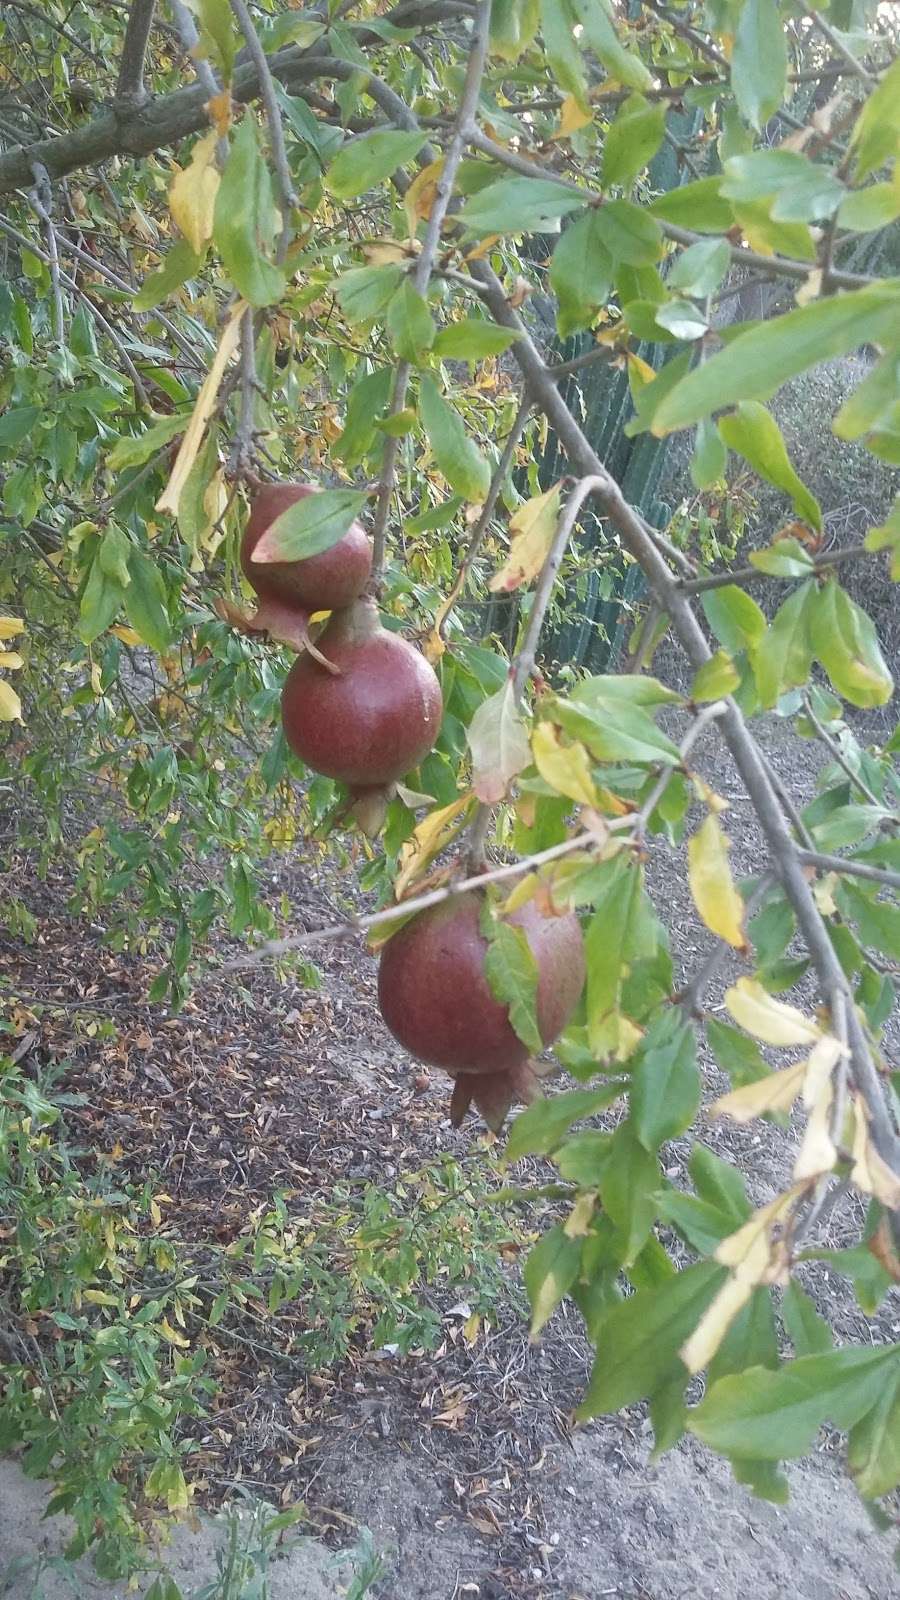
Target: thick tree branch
x,y
130,90
740,742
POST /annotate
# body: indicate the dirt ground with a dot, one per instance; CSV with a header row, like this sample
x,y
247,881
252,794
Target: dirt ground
x,y
257,1086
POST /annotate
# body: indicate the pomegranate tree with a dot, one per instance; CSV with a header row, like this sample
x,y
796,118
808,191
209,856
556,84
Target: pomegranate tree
x,y
435,997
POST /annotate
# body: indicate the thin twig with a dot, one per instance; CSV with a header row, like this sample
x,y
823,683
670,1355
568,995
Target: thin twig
x,y
721,580
787,804
831,745
186,29
487,511
853,869
841,49
130,89
524,664
242,453
285,183
42,200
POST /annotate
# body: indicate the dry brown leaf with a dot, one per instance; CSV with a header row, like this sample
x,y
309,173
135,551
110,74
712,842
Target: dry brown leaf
x,y
204,407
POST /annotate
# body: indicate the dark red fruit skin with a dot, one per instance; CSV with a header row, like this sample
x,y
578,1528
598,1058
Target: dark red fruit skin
x,y
325,582
437,1002
377,718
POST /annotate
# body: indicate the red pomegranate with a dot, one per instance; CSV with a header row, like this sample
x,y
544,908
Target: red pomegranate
x,y
436,1000
374,715
325,582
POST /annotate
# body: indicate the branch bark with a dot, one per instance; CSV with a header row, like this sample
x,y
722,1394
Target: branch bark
x,y
130,89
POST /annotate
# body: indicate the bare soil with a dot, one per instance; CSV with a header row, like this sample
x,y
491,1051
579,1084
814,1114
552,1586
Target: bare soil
x,y
464,1462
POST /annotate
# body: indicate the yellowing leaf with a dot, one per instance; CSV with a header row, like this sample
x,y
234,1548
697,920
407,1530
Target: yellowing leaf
x,y
420,196
10,626
870,1172
712,885
219,108
10,704
521,894
11,660
127,635
532,528
776,1092
566,768
192,194
767,1018
755,1259
572,116
718,676
172,1334
204,407
431,836
498,740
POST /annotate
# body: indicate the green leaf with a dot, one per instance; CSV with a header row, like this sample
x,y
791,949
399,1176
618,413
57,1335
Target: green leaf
x,y
808,1332
558,22
754,365
629,233
145,601
871,402
700,206
702,1225
865,210
365,293
870,1281
607,941
751,1341
710,457
216,29
887,537
310,526
628,1188
179,265
100,604
133,452
600,34
409,323
457,456
759,62
365,162
847,646
631,140
764,1479
114,553
638,1340
754,434
581,270
772,1416
786,557
877,921
367,400
665,1090
513,26
717,677
736,1054
512,973
580,1158
876,132
520,205
783,657
719,1184
873,1448
16,425
796,189
498,739
473,339
700,269
244,220
734,616
549,1273
539,1129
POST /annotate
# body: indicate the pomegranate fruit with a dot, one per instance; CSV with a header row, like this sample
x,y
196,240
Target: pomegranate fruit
x,y
324,582
436,1000
373,715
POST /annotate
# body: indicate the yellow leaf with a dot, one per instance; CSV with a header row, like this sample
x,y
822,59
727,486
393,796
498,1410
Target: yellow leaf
x,y
532,528
127,635
767,1018
10,704
823,894
484,247
755,1259
871,1172
566,768
172,1334
420,196
578,1223
472,1327
817,1153
11,660
640,372
219,108
10,626
572,116
96,684
522,893
192,193
384,252
431,836
776,1092
204,407
712,885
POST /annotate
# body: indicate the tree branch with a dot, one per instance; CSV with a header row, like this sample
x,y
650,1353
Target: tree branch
x,y
487,511
130,90
855,869
285,183
835,750
740,742
462,134
721,580
524,665
42,199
